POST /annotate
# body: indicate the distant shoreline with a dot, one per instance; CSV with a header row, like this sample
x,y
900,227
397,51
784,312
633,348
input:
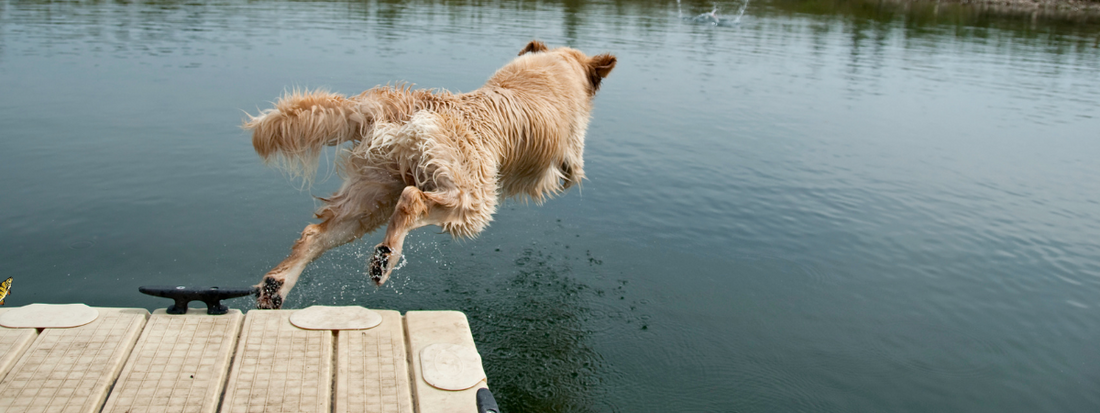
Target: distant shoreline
x,y
1063,6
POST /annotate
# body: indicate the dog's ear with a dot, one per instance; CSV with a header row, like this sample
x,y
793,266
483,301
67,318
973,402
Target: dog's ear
x,y
534,47
599,67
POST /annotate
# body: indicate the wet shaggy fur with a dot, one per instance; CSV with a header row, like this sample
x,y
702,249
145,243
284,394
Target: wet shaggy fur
x,y
430,157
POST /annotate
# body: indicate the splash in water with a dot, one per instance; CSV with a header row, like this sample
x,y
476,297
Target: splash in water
x,y
712,18
740,12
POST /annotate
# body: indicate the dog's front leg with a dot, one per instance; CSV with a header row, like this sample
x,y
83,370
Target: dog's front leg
x,y
315,240
277,283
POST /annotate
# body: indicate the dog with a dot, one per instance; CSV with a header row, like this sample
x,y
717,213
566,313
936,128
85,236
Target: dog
x,y
429,157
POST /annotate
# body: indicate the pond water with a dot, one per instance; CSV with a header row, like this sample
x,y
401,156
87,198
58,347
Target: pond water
x,y
823,206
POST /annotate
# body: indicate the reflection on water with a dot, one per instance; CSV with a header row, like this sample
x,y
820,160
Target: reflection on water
x,y
834,205
537,328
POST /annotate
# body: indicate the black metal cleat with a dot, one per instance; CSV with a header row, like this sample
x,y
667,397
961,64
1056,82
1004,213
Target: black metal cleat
x,y
212,296
485,401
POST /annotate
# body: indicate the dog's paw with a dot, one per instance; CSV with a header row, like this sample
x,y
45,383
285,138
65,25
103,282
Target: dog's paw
x,y
269,298
379,270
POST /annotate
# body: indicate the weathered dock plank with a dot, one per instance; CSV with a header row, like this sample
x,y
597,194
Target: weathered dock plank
x,y
254,363
179,364
425,328
70,370
279,367
13,341
372,374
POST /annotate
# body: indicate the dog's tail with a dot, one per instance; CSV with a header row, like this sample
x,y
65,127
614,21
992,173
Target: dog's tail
x,y
301,124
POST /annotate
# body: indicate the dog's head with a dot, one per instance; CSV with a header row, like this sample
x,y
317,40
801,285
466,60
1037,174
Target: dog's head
x,y
594,68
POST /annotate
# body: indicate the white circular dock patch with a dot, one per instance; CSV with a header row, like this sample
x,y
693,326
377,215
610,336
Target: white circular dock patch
x,y
48,316
323,317
451,366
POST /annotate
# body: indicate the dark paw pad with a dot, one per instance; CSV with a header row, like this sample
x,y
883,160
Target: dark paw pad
x,y
379,262
269,294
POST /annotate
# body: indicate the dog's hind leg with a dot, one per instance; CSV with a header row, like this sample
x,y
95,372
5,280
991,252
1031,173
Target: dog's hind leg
x,y
411,208
459,212
414,209
358,208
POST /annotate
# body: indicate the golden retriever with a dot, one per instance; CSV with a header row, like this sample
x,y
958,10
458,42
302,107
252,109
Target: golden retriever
x,y
430,157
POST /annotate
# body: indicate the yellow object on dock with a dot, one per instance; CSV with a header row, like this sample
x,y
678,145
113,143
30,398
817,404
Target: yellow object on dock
x,y
127,361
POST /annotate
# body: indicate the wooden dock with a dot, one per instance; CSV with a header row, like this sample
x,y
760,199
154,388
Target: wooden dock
x,y
130,361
